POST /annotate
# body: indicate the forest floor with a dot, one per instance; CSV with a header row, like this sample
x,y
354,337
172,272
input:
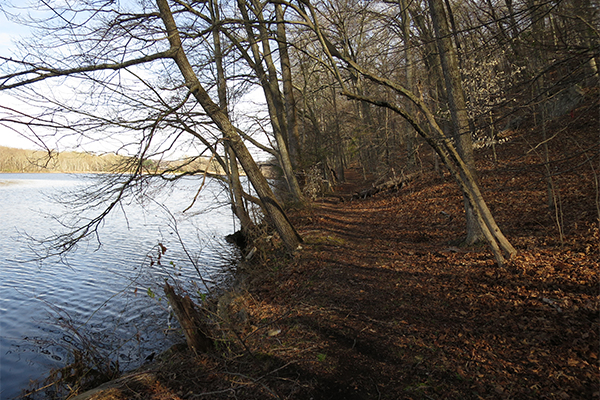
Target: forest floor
x,y
381,304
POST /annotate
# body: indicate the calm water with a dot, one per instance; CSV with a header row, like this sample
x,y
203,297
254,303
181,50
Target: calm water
x,y
102,291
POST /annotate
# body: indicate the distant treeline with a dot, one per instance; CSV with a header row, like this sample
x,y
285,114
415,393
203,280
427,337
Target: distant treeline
x,y
20,160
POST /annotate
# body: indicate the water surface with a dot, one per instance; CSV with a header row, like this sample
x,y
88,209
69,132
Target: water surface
x,y
100,290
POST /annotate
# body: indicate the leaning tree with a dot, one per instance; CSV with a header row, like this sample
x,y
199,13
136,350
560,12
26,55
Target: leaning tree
x,y
417,113
138,74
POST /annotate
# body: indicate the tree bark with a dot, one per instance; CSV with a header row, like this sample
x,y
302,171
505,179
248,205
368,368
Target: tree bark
x,y
411,138
271,206
288,89
458,106
235,186
272,93
190,320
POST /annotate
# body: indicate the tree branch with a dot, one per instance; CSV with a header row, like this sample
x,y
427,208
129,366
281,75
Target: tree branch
x,y
45,73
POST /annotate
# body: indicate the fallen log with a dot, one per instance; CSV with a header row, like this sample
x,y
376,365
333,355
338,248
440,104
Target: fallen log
x,y
190,320
388,186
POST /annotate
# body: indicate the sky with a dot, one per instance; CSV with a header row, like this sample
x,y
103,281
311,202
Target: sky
x,y
9,32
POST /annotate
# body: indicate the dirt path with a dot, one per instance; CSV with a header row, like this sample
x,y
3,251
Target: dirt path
x,y
379,305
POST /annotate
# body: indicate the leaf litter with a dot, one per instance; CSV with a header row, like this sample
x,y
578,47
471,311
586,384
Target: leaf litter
x,y
382,304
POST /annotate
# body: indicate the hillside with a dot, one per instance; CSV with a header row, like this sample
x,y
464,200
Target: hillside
x,y
27,161
20,160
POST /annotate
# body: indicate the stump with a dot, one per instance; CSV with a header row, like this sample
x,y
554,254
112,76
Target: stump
x,y
190,320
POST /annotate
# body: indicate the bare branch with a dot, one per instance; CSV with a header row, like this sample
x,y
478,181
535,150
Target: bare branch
x,y
44,73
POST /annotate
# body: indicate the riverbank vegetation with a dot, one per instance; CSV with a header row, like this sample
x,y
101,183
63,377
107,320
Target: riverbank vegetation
x,y
467,133
25,161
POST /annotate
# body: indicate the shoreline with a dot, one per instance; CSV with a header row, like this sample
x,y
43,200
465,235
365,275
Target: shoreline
x,y
104,173
379,305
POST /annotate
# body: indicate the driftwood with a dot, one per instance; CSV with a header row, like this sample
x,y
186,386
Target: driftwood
x,y
190,320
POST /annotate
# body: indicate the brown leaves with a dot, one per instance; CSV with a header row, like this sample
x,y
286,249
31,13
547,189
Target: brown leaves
x,y
393,296
379,303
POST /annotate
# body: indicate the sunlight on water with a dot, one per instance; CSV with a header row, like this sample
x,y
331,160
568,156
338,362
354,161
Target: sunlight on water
x,y
102,289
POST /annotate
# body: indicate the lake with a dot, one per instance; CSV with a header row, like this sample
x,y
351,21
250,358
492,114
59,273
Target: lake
x,y
110,292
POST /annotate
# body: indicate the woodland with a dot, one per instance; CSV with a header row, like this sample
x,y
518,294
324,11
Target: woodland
x,y
434,231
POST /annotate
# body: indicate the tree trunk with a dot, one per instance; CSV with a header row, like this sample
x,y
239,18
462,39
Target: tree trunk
x,y
458,106
339,146
411,137
275,106
271,206
235,186
288,89
190,320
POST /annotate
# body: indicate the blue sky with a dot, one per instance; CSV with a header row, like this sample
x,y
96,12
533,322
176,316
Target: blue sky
x,y
9,32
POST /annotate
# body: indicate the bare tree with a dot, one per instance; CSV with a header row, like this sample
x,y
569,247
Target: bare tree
x,y
134,67
267,75
434,135
236,191
458,106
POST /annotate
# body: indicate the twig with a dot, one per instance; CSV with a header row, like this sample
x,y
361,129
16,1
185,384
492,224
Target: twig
x,y
40,389
215,392
257,381
376,388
